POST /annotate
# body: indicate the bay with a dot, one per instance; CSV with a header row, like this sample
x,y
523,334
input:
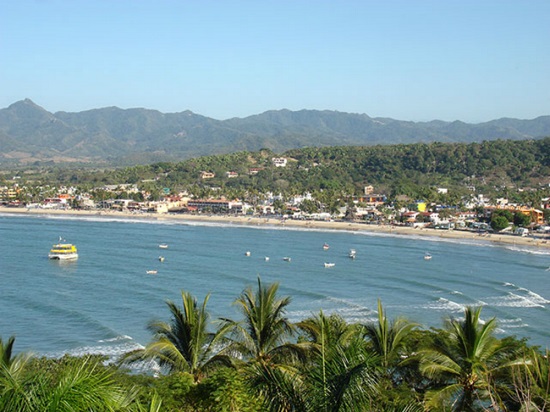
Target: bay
x,y
103,302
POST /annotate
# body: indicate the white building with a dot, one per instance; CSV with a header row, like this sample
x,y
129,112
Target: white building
x,y
279,161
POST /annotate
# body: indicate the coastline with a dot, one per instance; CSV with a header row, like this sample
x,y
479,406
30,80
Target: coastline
x,y
538,241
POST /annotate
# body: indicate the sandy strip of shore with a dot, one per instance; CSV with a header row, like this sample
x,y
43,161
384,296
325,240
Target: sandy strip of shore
x,y
538,241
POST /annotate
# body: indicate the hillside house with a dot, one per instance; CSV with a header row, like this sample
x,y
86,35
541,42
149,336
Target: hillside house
x,y
128,188
255,170
207,175
279,161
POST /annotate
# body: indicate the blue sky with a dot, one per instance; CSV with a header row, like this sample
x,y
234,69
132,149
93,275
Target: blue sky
x,y
410,60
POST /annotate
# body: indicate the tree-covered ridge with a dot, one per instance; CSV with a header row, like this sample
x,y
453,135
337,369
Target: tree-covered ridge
x,y
263,362
514,160
502,162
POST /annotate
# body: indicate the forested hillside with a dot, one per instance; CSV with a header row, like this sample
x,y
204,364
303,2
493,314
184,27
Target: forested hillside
x,y
397,169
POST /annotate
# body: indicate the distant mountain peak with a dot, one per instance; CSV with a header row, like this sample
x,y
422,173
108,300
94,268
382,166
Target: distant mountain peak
x,y
26,104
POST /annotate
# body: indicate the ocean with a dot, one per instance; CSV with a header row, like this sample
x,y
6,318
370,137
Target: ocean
x,y
103,302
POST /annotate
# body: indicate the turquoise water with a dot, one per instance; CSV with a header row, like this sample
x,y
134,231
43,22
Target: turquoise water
x,y
103,302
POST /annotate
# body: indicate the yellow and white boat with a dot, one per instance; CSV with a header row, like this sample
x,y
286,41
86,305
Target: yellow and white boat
x,y
63,251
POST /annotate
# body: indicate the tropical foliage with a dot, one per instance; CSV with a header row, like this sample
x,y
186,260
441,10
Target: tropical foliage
x,y
264,362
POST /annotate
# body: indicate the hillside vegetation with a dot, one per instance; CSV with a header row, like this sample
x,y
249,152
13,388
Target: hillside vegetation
x,y
414,170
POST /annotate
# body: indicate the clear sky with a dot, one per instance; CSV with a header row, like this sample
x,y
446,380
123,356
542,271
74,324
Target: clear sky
x,y
471,60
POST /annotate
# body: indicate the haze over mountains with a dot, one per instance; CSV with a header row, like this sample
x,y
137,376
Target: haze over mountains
x,y
29,134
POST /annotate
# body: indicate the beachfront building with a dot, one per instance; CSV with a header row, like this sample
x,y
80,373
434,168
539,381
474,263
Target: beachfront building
x,y
176,203
157,207
265,209
537,216
7,193
121,204
55,203
215,206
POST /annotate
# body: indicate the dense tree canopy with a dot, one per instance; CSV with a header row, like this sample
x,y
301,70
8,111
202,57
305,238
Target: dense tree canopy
x,y
413,170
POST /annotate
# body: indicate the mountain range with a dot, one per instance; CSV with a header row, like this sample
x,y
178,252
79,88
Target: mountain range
x,y
29,134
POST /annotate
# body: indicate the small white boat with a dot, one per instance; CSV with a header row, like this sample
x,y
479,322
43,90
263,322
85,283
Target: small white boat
x,y
286,259
352,253
247,253
329,265
427,256
152,272
266,258
326,246
161,258
163,246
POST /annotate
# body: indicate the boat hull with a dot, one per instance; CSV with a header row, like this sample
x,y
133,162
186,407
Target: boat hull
x,y
56,256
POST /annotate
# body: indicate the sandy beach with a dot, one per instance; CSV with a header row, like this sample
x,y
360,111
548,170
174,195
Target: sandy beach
x,y
538,240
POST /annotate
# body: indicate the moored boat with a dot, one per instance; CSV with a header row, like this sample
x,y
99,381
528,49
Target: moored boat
x,y
63,251
326,246
352,253
427,256
329,265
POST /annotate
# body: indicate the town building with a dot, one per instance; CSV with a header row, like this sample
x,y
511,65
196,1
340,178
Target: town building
x,y
215,206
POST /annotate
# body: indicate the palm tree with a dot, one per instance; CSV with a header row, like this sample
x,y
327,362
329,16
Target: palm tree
x,y
462,359
340,375
264,333
262,338
184,345
328,330
13,378
388,338
531,381
83,385
6,352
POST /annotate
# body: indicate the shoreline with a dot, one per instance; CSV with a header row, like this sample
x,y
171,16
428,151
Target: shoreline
x,y
539,241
